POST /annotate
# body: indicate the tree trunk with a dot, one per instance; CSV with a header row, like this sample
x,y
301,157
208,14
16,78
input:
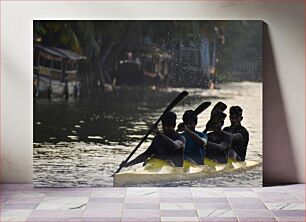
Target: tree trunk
x,y
108,57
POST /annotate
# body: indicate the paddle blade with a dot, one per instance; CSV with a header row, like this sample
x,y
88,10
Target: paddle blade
x,y
219,106
179,98
201,108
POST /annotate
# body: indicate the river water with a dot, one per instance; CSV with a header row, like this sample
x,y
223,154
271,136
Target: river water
x,y
82,142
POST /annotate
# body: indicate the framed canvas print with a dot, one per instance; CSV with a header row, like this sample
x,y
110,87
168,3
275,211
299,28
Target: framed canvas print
x,y
147,103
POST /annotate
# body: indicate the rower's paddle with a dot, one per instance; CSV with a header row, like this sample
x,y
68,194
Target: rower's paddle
x,y
201,108
179,98
219,106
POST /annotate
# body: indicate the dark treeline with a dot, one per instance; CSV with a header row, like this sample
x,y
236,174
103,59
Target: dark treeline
x,y
102,42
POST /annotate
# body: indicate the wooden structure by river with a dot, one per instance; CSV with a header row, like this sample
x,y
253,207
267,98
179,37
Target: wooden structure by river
x,y
55,72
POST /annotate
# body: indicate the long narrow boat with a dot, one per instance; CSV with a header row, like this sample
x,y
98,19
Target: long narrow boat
x,y
157,170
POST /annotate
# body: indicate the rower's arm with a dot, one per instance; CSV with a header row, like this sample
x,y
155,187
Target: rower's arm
x,y
139,159
196,138
177,144
233,136
245,140
220,146
237,136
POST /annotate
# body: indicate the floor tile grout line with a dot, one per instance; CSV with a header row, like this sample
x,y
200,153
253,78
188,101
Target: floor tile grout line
x,y
29,215
259,197
158,198
294,194
35,207
123,206
22,186
231,206
5,202
193,200
91,192
261,201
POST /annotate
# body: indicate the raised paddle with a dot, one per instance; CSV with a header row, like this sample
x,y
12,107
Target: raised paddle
x,y
201,108
179,98
219,106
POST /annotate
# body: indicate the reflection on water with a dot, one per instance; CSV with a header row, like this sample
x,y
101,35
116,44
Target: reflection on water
x,y
81,143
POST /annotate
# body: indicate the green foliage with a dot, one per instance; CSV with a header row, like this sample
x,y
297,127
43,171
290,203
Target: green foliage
x,y
91,37
243,41
99,39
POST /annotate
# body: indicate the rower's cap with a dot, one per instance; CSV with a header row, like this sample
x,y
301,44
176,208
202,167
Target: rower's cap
x,y
236,110
190,116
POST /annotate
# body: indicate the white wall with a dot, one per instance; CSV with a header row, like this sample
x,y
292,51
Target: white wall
x,y
286,24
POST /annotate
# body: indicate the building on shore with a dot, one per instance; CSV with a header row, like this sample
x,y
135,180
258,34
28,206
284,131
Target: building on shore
x,y
55,72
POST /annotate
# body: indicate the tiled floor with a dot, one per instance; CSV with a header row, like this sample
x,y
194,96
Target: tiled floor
x,y
22,202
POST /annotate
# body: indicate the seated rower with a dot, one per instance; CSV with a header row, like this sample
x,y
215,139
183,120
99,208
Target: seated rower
x,y
167,145
239,135
195,140
217,144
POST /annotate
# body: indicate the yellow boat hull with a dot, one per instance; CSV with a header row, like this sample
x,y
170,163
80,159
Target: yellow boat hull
x,y
157,170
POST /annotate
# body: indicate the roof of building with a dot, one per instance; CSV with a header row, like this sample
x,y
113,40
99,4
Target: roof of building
x,y
64,53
